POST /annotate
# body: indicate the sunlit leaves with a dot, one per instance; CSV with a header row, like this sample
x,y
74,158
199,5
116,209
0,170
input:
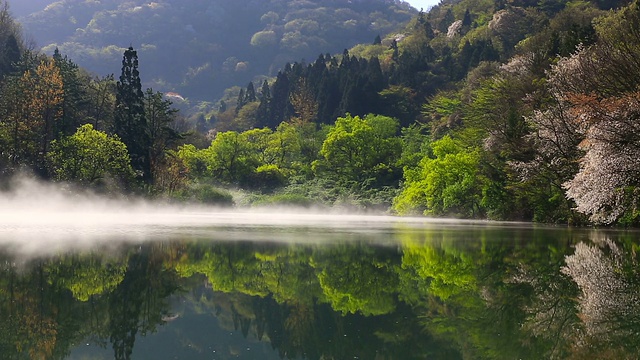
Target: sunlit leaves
x,y
448,274
446,183
356,281
89,157
86,279
357,149
32,105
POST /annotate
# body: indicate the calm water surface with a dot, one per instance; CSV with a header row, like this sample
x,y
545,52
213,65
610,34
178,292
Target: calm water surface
x,y
204,285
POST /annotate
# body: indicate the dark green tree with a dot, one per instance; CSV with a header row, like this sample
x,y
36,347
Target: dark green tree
x,y
250,93
241,101
75,96
265,101
466,20
280,107
9,56
162,136
130,123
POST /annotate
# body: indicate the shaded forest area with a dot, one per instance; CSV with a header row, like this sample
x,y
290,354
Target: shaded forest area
x,y
515,110
200,48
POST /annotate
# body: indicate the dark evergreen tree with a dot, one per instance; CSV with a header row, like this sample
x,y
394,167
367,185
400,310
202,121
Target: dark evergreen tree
x,y
446,21
75,99
316,70
466,20
265,104
280,106
241,101
9,56
129,122
250,94
396,53
328,98
160,117
424,26
377,40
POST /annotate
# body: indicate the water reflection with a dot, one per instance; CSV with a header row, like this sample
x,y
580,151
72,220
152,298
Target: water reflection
x,y
399,292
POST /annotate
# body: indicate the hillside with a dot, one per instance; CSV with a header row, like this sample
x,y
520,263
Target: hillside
x,y
523,110
199,48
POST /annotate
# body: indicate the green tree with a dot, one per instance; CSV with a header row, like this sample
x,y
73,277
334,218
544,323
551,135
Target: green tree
x,y
162,136
89,157
446,183
230,159
31,107
101,93
130,122
11,40
75,96
356,280
358,149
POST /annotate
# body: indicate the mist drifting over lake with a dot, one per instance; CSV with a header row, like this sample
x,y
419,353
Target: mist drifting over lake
x,y
38,218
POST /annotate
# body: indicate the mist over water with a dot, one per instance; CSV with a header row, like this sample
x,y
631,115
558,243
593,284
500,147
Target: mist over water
x,y
39,218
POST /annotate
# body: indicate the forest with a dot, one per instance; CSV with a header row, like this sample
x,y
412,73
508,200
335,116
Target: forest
x,y
200,48
504,110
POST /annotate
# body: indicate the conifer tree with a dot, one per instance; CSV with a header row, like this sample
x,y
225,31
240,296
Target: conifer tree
x,y
280,107
129,122
160,116
241,101
250,93
74,99
9,56
265,103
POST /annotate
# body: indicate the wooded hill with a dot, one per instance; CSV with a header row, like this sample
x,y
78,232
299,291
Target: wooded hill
x,y
478,109
199,48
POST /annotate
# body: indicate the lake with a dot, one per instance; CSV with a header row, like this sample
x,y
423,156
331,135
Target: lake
x,y
160,283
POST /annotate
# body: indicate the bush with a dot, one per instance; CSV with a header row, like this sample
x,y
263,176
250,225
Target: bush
x,y
283,200
267,178
205,194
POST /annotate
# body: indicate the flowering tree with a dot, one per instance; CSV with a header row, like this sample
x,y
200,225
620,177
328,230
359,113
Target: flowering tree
x,y
608,182
594,122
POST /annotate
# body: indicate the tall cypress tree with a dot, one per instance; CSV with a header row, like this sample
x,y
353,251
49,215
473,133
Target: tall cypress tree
x,y
250,94
280,107
129,122
265,104
241,101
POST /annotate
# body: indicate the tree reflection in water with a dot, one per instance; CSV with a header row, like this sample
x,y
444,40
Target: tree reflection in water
x,y
445,293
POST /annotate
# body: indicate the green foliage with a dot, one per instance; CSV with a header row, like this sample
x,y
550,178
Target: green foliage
x,y
447,183
87,279
356,285
513,85
450,274
400,102
269,177
204,194
276,200
357,149
130,123
90,157
229,157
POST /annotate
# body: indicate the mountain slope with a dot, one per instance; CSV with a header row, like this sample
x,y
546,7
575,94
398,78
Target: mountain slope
x,y
201,48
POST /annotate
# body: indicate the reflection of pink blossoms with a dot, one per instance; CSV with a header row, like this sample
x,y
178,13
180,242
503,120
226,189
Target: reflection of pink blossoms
x,y
608,299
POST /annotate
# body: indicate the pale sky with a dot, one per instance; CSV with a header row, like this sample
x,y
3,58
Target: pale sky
x,y
425,4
